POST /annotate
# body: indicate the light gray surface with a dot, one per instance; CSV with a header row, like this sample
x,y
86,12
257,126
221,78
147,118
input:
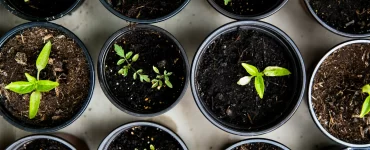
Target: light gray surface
x,y
94,24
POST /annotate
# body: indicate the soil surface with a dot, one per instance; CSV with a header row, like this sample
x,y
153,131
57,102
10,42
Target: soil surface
x,y
336,93
141,137
145,10
41,8
67,65
220,69
350,16
249,7
154,49
44,144
257,146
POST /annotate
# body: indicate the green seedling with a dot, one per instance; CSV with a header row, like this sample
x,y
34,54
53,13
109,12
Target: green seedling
x,y
36,86
366,105
126,58
157,82
152,147
270,71
227,2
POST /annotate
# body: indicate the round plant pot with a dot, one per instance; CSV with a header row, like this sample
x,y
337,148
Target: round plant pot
x,y
131,128
258,11
135,12
345,52
42,142
329,26
155,47
40,10
52,115
215,88
265,142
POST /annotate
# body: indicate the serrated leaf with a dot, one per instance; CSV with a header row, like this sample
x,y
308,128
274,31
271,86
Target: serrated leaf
x,y
120,62
227,2
144,78
366,89
275,71
259,85
135,76
168,83
155,84
152,147
43,58
30,78
155,69
128,55
46,85
136,56
119,50
21,87
252,70
34,104
365,107
244,80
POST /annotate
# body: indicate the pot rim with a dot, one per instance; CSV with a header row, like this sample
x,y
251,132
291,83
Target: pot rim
x,y
312,112
70,34
102,79
23,140
258,140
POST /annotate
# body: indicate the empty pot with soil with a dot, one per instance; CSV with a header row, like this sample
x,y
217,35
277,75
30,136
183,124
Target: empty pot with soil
x,y
142,135
258,144
145,11
247,10
47,77
338,94
248,78
143,70
346,18
40,10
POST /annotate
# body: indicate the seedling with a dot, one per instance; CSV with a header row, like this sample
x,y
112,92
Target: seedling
x,y
34,85
158,81
227,2
152,147
126,58
366,105
270,71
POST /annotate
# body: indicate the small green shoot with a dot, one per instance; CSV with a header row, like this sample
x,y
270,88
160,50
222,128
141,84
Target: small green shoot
x,y
126,58
152,147
270,71
34,85
157,82
227,2
366,105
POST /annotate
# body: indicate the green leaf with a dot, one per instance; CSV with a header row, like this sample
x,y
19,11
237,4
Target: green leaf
x,y
365,107
34,104
128,55
244,80
227,1
121,71
155,84
366,89
43,58
144,78
155,69
169,73
252,70
119,50
166,78
120,62
274,71
46,85
125,71
165,72
139,71
152,147
21,87
136,56
135,76
30,78
160,83
168,83
259,85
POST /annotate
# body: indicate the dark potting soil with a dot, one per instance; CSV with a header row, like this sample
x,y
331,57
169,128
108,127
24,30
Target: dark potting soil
x,y
41,8
336,93
257,146
44,144
248,7
220,69
350,16
141,137
145,10
67,65
154,49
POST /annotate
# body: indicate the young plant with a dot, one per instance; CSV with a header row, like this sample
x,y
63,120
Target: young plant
x,y
227,2
366,105
36,86
126,59
158,81
270,71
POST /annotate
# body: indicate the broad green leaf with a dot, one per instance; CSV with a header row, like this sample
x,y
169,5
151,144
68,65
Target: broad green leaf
x,y
30,78
365,107
155,84
135,76
168,83
119,50
128,55
366,89
46,85
227,2
252,70
43,58
135,57
144,78
21,87
244,80
155,69
152,147
259,85
121,71
34,104
120,62
273,71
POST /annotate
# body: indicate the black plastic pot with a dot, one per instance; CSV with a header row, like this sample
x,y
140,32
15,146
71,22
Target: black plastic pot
x,y
20,143
249,141
19,124
109,139
322,23
298,66
101,65
257,16
150,21
312,111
